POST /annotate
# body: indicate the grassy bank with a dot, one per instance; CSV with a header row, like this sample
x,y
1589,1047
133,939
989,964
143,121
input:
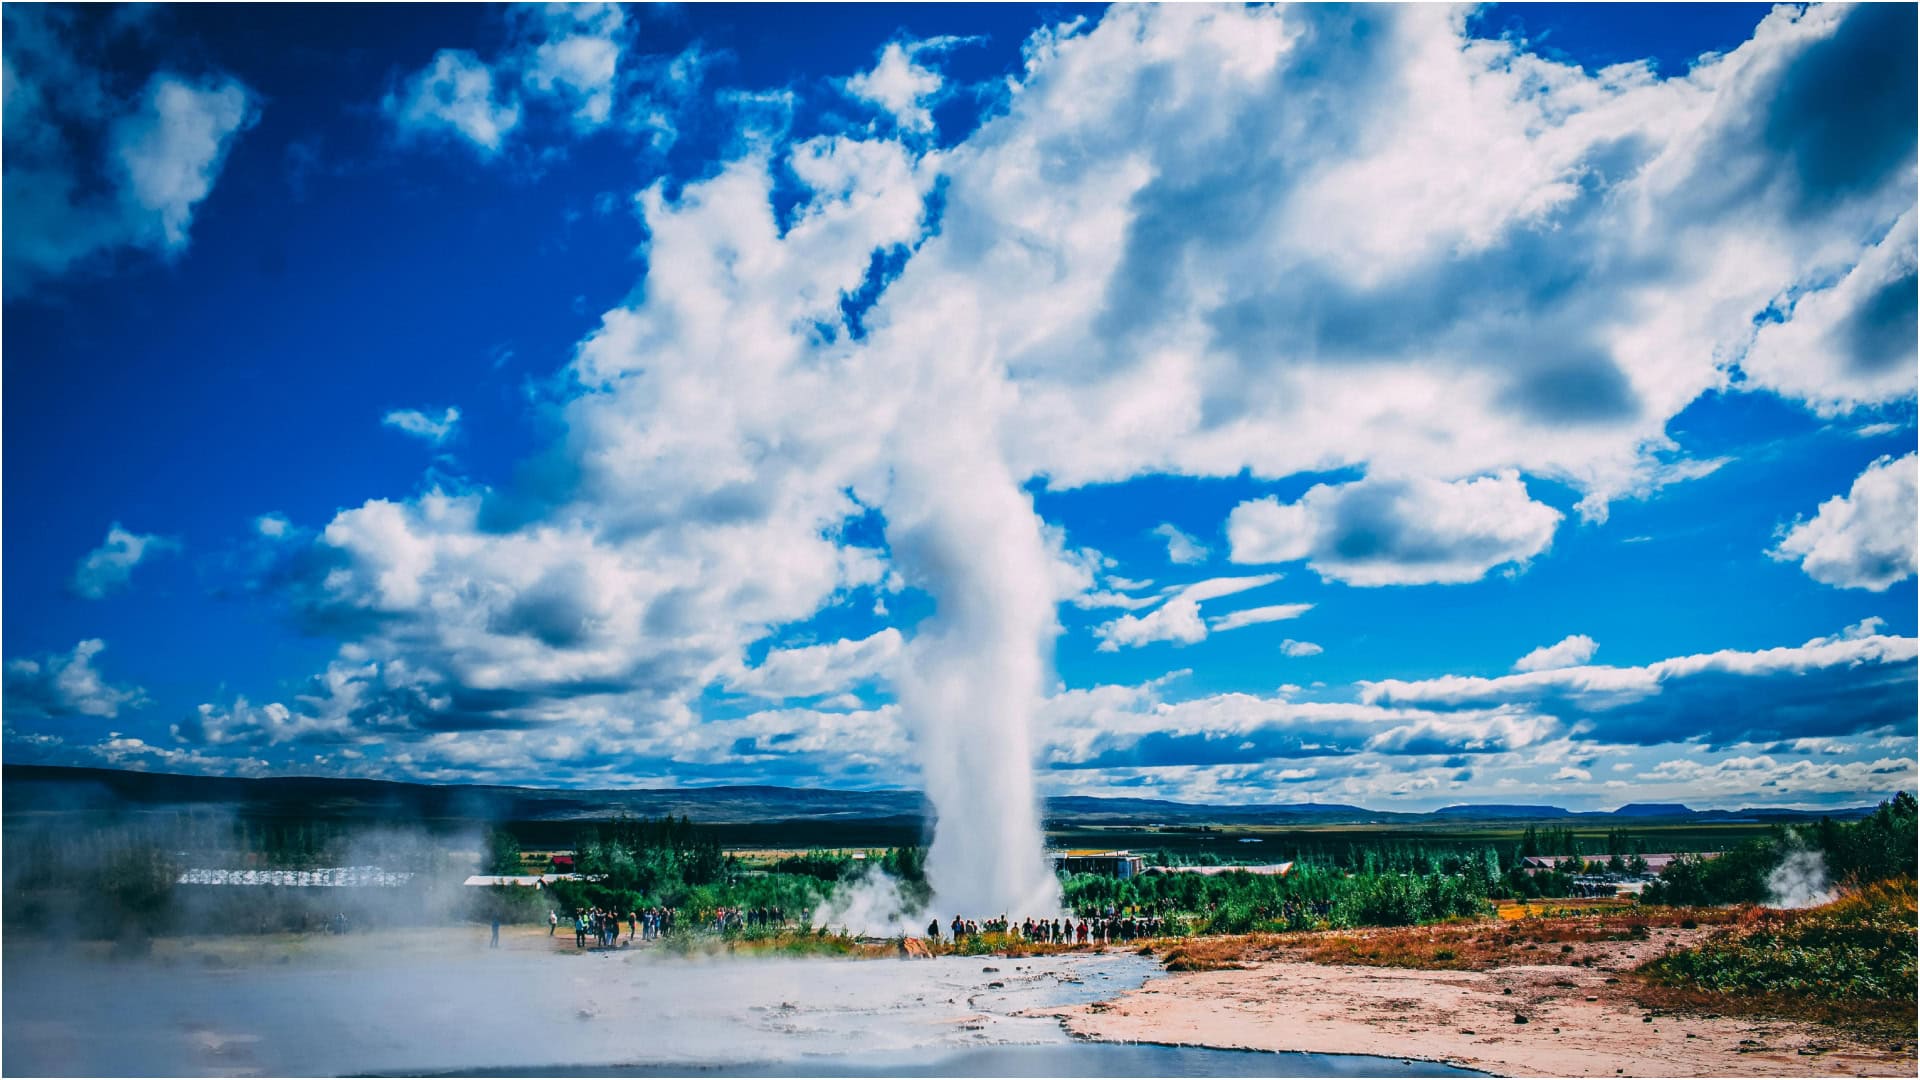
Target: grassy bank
x,y
1852,962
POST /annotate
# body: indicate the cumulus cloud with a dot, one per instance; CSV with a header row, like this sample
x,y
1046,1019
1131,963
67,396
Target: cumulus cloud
x,y
173,147
900,86
572,51
1570,651
814,670
454,96
1133,727
1864,539
1847,684
417,423
1177,619
69,685
1269,354
1291,647
107,568
93,169
615,587
1398,532
577,61
1504,736
1850,343
1770,778
1181,548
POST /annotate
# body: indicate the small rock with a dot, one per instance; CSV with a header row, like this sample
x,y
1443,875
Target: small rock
x,y
1519,1018
989,969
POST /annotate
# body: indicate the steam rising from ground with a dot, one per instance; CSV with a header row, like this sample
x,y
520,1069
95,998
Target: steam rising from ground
x,y
1800,880
962,528
872,904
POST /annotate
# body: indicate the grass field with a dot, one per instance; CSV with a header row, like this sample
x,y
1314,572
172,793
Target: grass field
x,y
1280,843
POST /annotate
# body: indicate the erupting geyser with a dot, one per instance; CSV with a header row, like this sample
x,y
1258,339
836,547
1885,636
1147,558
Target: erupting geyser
x,y
970,685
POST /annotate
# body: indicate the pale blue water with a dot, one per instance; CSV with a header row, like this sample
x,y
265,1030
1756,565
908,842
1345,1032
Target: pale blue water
x,y
467,1010
1069,1059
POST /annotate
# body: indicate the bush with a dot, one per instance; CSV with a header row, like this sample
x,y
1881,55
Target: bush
x,y
1879,847
1860,947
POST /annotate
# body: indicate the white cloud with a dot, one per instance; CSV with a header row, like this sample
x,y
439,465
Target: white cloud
x,y
577,60
108,568
1849,344
1846,684
90,172
1778,781
415,422
1177,619
1253,616
173,148
1570,651
454,95
69,685
814,670
1398,532
1864,539
1181,548
572,51
1300,648
899,86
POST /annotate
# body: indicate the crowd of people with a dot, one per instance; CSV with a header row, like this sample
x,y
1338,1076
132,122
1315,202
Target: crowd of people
x,y
602,927
1099,930
725,919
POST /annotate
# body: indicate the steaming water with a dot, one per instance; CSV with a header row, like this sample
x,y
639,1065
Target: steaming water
x,y
524,1009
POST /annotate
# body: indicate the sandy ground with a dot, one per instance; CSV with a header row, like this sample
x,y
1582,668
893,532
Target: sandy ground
x,y
1577,1023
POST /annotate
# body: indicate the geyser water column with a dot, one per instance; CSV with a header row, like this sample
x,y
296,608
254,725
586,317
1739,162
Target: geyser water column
x,y
962,528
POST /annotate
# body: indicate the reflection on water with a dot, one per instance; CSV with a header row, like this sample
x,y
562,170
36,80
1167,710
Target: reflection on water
x,y
1062,1059
364,1007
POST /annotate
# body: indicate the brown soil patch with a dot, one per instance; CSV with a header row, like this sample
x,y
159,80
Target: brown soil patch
x,y
1507,997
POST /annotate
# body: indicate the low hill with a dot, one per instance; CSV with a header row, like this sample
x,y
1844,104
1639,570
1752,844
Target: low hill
x,y
36,792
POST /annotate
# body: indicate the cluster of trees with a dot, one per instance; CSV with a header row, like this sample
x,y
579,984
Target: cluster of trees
x,y
1878,847
631,864
1309,896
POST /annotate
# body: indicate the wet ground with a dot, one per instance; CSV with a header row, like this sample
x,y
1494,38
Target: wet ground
x,y
1050,1059
447,1005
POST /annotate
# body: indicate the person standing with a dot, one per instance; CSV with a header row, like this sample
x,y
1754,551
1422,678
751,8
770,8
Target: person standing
x,y
495,943
553,922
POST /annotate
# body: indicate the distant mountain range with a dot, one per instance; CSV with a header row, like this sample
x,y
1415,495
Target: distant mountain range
x,y
36,790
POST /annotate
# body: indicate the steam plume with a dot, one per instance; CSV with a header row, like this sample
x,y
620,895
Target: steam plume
x,y
962,528
1800,880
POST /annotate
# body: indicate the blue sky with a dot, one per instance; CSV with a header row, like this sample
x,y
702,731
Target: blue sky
x,y
1397,406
